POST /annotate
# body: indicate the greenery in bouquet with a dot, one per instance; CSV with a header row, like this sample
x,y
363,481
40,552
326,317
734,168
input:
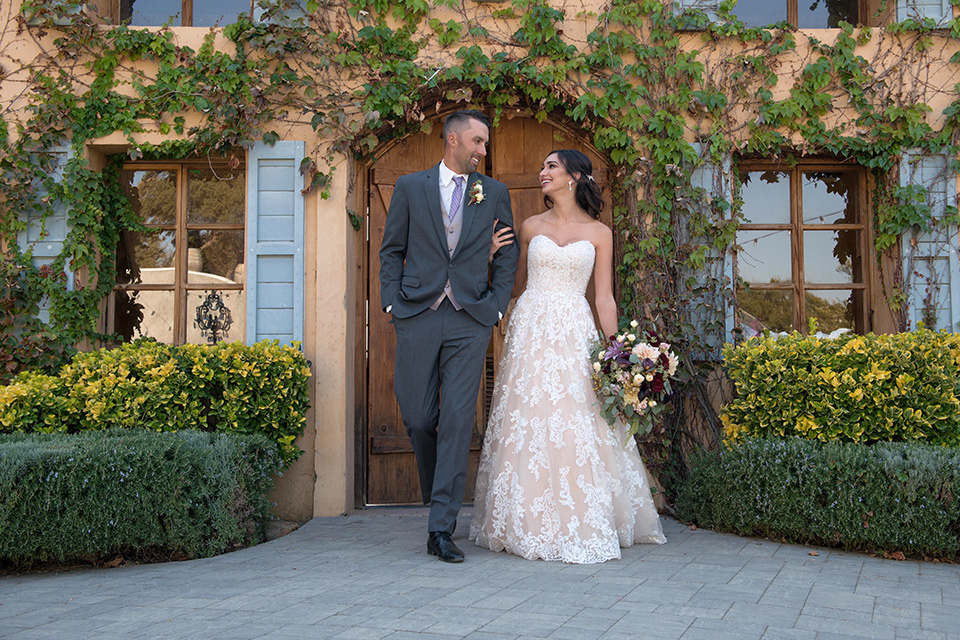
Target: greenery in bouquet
x,y
632,375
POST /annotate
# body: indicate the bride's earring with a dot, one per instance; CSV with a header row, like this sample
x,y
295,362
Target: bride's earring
x,y
569,185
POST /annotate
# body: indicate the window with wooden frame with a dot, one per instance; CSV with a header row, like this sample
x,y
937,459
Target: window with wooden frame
x,y
189,252
802,248
188,13
805,14
178,13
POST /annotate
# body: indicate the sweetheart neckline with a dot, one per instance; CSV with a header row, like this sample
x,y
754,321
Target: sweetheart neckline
x,y
560,246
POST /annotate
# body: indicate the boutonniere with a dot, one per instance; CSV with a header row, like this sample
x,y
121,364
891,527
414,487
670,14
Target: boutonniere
x,y
476,193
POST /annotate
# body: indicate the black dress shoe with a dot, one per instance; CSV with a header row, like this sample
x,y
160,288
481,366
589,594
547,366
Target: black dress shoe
x,y
439,544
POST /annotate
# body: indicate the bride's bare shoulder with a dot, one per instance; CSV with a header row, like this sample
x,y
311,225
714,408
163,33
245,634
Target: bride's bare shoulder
x,y
536,219
531,225
600,233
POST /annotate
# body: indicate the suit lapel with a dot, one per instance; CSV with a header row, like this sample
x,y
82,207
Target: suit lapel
x,y
431,188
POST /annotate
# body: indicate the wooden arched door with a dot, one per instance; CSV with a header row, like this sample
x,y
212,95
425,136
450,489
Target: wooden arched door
x,y
515,156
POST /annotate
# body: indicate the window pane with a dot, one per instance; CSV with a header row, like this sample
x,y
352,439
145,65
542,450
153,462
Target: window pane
x,y
152,194
213,256
215,195
228,314
828,197
760,309
146,258
210,13
826,14
766,197
144,313
930,291
759,13
831,257
835,309
151,13
764,256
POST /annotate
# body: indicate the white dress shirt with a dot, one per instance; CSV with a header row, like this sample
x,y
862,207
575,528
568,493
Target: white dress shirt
x,y
446,184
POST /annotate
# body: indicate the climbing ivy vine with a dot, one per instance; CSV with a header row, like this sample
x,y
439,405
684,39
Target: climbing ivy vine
x,y
641,81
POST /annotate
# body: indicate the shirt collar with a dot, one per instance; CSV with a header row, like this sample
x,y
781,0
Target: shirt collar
x,y
447,174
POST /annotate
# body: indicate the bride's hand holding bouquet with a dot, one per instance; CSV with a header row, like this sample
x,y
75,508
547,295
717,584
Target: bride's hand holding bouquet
x,y
632,375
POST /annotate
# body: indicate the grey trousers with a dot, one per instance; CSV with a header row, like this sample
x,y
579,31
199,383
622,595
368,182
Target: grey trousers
x,y
439,363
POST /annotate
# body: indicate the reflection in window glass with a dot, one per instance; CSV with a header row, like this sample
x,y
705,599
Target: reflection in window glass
x,y
759,13
232,312
834,310
147,314
215,195
153,252
764,256
762,309
152,194
151,13
145,257
210,13
766,197
827,197
213,256
828,257
826,14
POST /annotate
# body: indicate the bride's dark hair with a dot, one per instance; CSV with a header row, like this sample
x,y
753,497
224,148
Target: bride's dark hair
x,y
588,194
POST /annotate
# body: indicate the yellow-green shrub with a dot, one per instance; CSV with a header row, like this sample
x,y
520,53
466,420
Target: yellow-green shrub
x,y
231,387
36,402
872,388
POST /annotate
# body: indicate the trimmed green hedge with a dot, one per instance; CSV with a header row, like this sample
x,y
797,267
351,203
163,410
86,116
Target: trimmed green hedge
x,y
872,388
229,387
133,492
884,497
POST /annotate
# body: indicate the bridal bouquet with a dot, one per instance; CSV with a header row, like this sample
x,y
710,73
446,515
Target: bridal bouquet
x,y
632,375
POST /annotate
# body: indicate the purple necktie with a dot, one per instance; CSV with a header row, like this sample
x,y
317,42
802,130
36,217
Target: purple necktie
x,y
456,198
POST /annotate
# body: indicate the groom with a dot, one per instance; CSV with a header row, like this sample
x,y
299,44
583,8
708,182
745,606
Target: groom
x,y
445,294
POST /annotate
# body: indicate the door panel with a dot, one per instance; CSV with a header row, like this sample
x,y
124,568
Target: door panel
x,y
515,155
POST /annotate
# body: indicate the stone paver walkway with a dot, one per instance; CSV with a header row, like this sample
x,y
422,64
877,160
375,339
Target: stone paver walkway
x,y
367,576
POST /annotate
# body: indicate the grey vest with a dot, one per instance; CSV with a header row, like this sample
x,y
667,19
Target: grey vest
x,y
452,230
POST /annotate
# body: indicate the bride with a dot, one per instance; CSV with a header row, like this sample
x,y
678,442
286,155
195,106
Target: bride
x,y
555,481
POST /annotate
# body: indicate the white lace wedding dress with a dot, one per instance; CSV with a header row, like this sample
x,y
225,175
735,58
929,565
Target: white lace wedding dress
x,y
555,481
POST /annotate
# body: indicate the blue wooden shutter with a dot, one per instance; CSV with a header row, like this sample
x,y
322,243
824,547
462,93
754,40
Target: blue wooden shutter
x,y
275,260
939,10
43,239
711,309
931,268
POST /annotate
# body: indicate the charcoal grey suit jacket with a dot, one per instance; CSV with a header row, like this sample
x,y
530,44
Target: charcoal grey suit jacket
x,y
415,262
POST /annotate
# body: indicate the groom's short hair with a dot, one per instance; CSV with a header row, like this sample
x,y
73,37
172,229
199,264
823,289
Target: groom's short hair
x,y
458,121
